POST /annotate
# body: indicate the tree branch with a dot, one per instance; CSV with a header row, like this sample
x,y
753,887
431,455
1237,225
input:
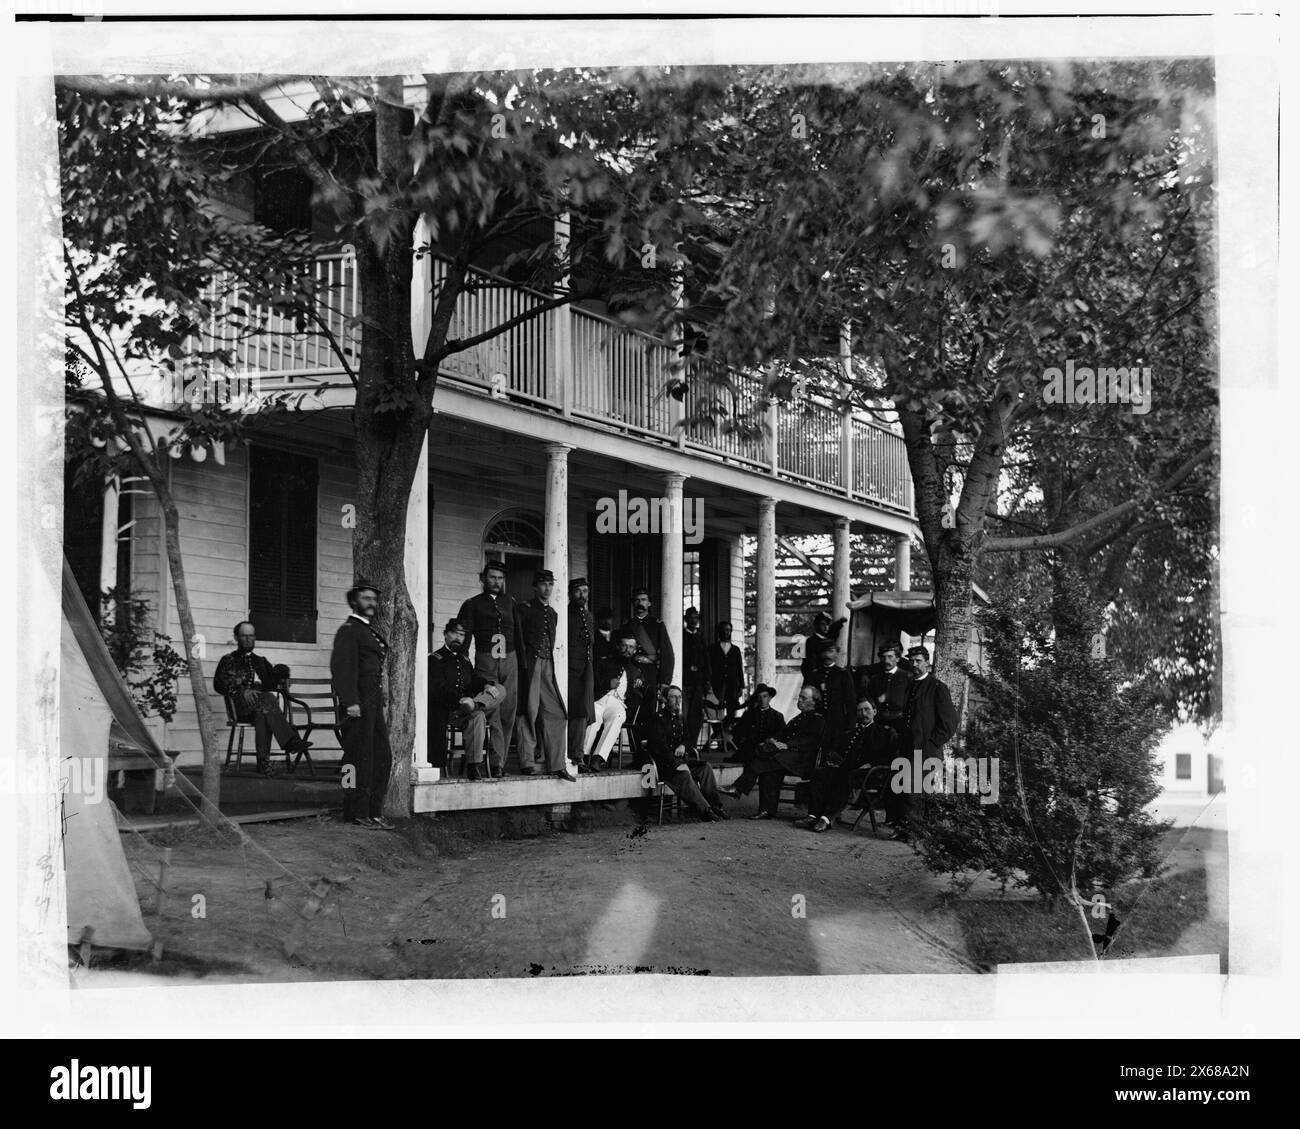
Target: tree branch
x,y
1115,513
163,88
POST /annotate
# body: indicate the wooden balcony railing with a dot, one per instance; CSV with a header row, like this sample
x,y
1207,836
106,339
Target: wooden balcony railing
x,y
591,368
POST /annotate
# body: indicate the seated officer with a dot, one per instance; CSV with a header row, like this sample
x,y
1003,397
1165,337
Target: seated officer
x,y
460,697
251,683
678,764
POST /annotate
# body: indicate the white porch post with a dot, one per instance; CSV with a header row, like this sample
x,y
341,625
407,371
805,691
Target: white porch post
x,y
561,345
846,414
108,539
670,536
416,562
902,563
841,590
765,639
555,554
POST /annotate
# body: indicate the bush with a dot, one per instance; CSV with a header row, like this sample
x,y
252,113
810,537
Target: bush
x,y
148,663
1076,769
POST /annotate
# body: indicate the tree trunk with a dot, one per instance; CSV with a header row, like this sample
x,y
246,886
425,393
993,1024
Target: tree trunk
x,y
392,420
207,720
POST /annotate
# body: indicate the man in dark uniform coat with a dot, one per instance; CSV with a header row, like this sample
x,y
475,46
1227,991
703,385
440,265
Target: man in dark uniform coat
x,y
357,676
695,675
931,724
605,642
457,699
824,634
252,684
869,744
582,670
727,680
794,753
678,764
542,722
492,622
759,723
888,689
654,650
839,700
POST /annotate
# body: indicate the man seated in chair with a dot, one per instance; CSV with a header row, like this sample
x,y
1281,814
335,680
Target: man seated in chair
x,y
794,754
250,683
677,763
621,686
460,697
759,723
868,744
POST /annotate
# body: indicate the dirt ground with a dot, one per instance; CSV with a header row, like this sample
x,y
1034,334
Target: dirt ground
x,y
438,899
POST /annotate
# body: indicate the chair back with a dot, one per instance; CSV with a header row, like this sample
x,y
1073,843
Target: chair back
x,y
316,693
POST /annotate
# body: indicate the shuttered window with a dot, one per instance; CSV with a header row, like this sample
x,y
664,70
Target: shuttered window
x,y
282,545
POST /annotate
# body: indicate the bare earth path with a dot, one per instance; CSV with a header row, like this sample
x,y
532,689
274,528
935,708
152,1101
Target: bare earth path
x,y
738,898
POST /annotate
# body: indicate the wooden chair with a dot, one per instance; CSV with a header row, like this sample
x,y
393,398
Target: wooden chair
x,y
715,728
628,733
305,693
236,727
874,783
789,793
456,748
663,792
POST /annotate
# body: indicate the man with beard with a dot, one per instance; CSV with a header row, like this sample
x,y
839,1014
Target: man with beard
x,y
695,675
888,689
676,762
492,622
457,699
869,744
931,724
794,754
654,649
542,720
582,671
357,677
251,683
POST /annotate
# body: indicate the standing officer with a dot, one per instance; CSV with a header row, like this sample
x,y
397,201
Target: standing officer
x,y
931,724
582,678
542,719
695,675
357,675
888,689
654,650
491,619
824,634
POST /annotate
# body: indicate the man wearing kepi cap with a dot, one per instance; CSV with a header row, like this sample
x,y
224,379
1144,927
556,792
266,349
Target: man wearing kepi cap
x,y
543,727
582,677
459,698
357,675
492,622
824,634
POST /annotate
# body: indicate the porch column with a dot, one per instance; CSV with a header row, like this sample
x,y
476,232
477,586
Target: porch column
x,y
670,538
902,563
846,413
108,539
417,562
765,567
555,554
841,590
561,340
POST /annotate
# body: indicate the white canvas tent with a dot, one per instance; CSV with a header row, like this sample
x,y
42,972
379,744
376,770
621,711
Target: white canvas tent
x,y
95,707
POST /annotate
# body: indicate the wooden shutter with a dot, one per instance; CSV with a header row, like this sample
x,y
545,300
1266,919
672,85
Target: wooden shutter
x,y
282,545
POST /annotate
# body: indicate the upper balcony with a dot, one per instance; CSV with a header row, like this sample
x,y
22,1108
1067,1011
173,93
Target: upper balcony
x,y
590,369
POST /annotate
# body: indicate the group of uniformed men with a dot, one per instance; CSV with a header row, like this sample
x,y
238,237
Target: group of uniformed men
x,y
616,678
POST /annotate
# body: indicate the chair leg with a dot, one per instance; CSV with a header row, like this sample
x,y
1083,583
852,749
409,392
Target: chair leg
x,y
230,747
239,753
